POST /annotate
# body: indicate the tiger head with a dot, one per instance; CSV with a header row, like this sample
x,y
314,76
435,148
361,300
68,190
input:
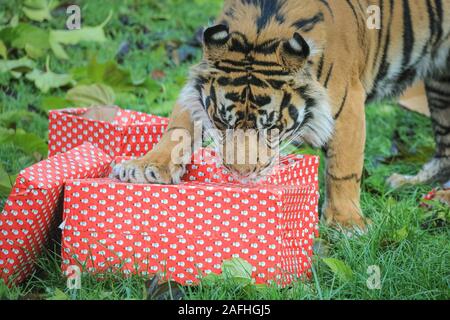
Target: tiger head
x,y
258,96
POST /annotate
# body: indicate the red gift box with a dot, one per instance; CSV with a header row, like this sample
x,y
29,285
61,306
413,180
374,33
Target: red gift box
x,y
31,211
118,132
187,230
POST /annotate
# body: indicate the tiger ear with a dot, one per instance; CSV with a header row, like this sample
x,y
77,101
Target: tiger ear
x,y
294,52
215,41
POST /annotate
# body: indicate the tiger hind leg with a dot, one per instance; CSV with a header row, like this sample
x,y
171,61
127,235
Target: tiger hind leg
x,y
438,169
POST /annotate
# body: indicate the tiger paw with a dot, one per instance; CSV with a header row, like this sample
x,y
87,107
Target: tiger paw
x,y
347,219
146,170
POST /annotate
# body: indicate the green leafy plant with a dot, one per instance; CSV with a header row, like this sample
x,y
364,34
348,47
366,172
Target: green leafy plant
x,y
46,80
88,95
339,268
58,38
27,142
6,181
17,67
39,10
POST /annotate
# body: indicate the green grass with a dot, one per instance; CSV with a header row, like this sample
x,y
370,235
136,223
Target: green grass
x,y
414,260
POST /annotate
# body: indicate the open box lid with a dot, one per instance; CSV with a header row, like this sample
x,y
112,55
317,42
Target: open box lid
x,y
81,162
113,115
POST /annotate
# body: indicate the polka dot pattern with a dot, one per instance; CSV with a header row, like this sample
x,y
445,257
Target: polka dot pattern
x,y
131,133
188,229
31,211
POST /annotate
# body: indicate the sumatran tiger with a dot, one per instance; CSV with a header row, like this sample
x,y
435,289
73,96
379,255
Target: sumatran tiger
x,y
307,68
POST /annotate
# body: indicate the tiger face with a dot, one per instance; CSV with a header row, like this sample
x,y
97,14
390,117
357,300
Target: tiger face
x,y
259,95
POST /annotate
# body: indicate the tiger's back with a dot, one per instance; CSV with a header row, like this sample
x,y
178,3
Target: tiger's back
x,y
411,42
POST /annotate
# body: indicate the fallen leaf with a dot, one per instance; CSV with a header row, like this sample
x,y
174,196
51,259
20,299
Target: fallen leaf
x,y
108,73
39,10
58,295
34,40
91,95
339,268
46,80
17,67
58,38
237,269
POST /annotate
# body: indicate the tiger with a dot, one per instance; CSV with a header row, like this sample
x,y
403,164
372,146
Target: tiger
x,y
308,68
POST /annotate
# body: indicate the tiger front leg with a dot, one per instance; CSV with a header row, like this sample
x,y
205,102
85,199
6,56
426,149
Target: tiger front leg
x,y
345,160
165,163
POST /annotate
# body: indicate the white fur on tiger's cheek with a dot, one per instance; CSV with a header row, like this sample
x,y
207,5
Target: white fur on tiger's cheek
x,y
313,48
321,127
190,100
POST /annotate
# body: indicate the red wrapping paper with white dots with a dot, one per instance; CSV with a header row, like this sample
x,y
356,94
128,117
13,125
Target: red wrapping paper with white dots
x,y
31,211
118,132
187,230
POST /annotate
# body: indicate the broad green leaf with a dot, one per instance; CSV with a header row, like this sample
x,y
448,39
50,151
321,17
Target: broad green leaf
x,y
10,119
237,269
18,66
88,95
26,35
28,142
3,50
108,73
52,103
58,38
14,22
46,80
39,10
339,268
6,182
58,50
92,34
58,295
34,52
